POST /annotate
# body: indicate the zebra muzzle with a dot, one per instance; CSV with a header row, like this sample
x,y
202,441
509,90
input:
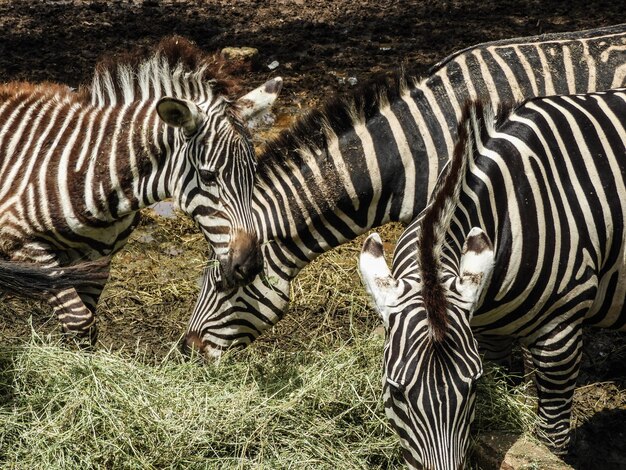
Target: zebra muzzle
x,y
190,344
243,261
193,346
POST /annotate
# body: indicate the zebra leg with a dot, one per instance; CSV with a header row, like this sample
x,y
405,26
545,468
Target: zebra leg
x,y
556,358
528,365
78,321
76,310
90,296
499,350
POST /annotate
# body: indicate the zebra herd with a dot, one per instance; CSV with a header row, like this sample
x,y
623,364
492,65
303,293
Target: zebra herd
x,y
513,177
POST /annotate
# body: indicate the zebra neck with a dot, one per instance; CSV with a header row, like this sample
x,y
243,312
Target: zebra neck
x,y
373,171
133,167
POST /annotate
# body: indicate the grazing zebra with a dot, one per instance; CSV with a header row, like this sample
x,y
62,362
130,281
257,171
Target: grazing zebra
x,y
374,157
524,238
76,167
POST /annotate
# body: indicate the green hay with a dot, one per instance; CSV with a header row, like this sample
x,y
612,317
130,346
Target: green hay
x,y
308,409
502,407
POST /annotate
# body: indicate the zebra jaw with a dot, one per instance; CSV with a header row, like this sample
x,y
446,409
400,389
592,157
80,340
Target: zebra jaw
x,y
376,276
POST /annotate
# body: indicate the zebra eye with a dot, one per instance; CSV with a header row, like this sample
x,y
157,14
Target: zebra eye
x,y
207,176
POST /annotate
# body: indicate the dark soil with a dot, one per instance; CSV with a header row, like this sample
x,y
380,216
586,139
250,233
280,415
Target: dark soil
x,y
319,45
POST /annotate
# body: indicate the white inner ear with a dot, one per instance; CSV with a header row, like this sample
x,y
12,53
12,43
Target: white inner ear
x,y
180,113
379,283
477,262
259,101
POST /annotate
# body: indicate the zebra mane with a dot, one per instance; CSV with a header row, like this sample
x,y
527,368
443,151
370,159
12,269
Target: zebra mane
x,y
336,116
174,67
478,121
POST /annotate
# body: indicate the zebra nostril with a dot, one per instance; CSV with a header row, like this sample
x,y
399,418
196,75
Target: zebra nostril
x,y
240,272
245,259
243,273
248,268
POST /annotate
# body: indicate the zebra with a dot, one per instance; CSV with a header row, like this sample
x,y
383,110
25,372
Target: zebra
x,y
371,158
522,239
76,166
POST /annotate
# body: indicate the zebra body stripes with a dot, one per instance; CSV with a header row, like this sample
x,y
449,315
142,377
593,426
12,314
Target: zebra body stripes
x,y
374,158
524,238
75,167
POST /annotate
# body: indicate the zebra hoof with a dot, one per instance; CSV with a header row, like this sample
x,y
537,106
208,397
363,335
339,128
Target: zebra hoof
x,y
84,340
558,446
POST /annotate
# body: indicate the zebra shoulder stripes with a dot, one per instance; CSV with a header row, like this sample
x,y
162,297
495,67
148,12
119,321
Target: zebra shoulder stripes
x,y
523,238
76,167
373,157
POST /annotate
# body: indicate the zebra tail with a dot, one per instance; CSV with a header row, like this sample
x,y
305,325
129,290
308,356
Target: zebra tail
x,y
35,282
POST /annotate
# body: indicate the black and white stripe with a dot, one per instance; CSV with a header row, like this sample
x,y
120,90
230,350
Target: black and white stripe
x,y
523,240
374,157
76,166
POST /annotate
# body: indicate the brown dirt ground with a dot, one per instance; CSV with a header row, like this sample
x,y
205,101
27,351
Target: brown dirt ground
x,y
318,45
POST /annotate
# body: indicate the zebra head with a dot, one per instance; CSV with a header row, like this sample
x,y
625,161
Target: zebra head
x,y
430,367
217,171
242,312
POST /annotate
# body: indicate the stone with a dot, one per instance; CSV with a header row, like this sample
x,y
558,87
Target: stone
x,y
240,53
508,451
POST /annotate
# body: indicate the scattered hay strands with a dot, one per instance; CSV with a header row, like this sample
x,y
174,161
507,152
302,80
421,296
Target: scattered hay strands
x,y
317,408
307,395
308,409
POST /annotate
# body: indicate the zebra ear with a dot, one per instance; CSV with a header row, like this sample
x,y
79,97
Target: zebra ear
x,y
256,103
180,113
377,278
477,263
